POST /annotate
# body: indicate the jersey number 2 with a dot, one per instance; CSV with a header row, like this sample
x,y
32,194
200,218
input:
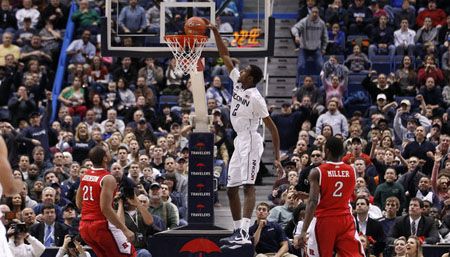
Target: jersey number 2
x,y
235,109
338,191
87,193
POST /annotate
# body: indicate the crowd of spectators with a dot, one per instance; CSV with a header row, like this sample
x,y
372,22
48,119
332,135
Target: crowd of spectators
x,y
399,145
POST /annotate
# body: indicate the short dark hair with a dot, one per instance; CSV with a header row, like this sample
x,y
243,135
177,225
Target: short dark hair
x,y
48,206
363,198
96,155
263,204
335,146
415,199
122,147
256,73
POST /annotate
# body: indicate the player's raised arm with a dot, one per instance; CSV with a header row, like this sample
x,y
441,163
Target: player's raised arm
x,y
11,186
223,50
106,197
314,191
275,140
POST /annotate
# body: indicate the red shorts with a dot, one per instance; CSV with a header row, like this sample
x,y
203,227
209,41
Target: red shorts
x,y
334,234
105,239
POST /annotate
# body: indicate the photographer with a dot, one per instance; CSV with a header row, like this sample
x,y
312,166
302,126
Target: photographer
x,y
137,218
72,248
17,234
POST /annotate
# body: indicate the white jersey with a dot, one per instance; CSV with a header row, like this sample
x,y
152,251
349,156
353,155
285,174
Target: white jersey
x,y
4,247
248,107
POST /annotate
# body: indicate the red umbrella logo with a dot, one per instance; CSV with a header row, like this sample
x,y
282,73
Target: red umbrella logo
x,y
200,165
200,206
200,246
200,186
200,145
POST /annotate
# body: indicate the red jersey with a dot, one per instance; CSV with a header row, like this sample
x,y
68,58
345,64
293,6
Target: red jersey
x,y
337,184
350,159
91,187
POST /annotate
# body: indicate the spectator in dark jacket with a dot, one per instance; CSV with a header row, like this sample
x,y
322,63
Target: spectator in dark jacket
x,y
382,86
432,95
39,129
359,19
382,39
21,105
414,224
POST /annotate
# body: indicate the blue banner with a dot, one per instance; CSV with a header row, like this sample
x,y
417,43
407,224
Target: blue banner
x,y
62,62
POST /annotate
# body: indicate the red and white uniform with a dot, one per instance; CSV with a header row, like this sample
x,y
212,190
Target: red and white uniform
x,y
103,237
334,229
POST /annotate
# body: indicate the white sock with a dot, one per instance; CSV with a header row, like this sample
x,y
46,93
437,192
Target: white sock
x,y
245,224
237,224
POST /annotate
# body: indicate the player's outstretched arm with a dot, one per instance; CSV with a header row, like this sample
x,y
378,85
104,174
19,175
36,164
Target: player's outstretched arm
x,y
106,197
314,191
223,50
275,140
10,185
78,199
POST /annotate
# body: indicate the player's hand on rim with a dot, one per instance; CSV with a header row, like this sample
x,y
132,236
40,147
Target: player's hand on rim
x,y
209,25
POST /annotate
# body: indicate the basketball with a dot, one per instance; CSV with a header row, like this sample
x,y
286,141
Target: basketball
x,y
195,26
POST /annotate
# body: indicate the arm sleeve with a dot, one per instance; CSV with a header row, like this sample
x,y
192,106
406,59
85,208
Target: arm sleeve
x,y
122,17
319,125
433,235
425,122
324,38
295,29
344,125
398,127
36,245
260,108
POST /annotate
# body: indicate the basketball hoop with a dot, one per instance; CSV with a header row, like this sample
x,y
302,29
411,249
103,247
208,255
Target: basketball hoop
x,y
187,50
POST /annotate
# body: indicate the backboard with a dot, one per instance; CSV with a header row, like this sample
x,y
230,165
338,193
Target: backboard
x,y
246,26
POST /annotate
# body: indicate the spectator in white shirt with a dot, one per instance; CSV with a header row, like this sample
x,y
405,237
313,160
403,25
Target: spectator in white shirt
x,y
404,39
16,241
27,12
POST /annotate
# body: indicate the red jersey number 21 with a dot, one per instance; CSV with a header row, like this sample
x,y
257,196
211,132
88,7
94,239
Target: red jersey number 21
x,y
338,189
87,193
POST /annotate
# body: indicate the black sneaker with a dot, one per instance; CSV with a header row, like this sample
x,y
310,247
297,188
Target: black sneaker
x,y
239,237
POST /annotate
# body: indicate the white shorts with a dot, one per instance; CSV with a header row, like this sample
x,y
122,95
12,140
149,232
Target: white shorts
x,y
244,163
120,238
4,247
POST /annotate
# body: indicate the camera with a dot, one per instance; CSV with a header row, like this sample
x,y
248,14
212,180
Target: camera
x,y
73,237
19,228
126,188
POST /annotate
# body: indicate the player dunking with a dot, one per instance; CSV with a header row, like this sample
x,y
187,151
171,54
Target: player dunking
x,y
9,186
331,187
100,226
247,109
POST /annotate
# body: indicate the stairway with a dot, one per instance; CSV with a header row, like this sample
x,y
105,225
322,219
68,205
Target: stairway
x,y
222,215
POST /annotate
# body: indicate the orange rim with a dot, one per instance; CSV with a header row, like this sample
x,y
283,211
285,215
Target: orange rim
x,y
190,39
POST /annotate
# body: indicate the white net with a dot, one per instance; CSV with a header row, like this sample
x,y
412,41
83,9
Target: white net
x,y
187,50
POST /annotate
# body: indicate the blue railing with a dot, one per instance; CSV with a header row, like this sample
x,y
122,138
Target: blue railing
x,y
62,62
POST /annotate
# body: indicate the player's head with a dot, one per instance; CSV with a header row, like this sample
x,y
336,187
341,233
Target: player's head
x,y
98,156
334,148
251,76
